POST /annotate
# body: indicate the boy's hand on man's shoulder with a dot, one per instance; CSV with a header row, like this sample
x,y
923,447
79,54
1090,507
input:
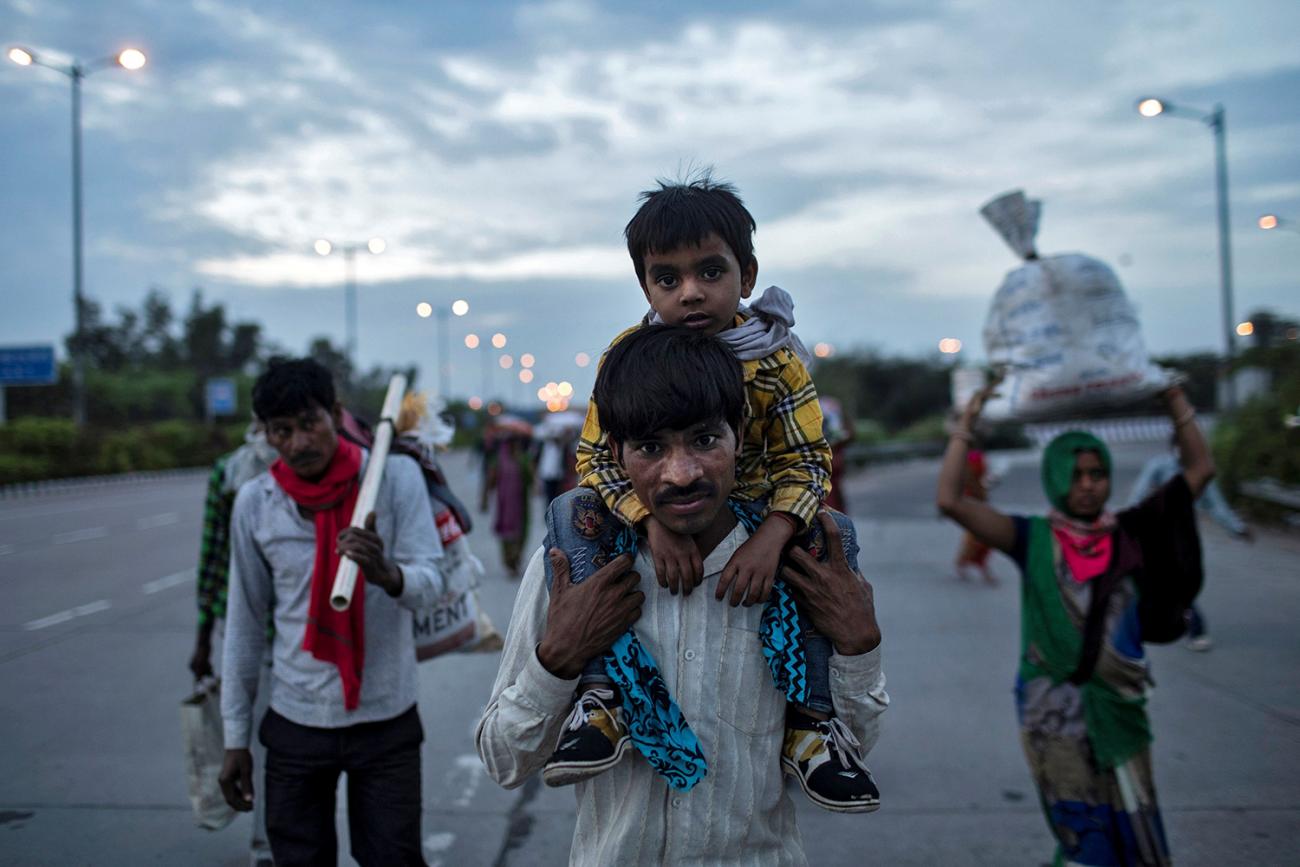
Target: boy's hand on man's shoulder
x,y
678,565
751,571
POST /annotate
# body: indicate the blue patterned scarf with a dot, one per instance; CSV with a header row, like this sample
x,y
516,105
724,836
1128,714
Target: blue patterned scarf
x,y
655,722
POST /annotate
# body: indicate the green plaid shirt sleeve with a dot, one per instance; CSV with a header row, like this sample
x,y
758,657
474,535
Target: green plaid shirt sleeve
x,y
214,547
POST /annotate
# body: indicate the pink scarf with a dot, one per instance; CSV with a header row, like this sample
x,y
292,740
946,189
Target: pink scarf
x,y
1086,545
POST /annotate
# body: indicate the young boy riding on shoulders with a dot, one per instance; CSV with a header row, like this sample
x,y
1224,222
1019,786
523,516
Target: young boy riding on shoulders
x,y
692,248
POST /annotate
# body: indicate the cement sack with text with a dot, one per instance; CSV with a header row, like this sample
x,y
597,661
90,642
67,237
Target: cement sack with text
x,y
456,622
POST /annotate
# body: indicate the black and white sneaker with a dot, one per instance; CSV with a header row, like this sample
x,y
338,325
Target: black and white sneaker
x,y
593,740
825,757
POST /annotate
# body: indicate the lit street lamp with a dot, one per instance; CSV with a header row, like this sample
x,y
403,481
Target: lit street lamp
x,y
324,248
130,59
460,307
472,341
1215,120
1268,222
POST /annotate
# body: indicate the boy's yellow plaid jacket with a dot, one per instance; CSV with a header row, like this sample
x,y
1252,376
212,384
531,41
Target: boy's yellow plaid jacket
x,y
783,455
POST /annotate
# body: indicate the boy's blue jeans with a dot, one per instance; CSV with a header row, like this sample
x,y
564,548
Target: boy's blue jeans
x,y
578,523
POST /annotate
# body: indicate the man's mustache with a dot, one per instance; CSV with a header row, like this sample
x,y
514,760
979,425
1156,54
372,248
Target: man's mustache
x,y
681,495
304,458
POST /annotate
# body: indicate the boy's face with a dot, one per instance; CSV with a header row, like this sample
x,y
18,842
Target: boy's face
x,y
698,286
683,476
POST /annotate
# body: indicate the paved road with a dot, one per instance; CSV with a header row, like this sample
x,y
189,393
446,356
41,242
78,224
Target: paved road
x,y
98,622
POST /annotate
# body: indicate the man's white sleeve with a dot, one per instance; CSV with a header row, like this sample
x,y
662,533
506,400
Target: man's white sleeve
x,y
858,693
517,732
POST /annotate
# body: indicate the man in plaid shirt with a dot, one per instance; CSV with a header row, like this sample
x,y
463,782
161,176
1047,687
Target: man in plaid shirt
x,y
692,248
228,473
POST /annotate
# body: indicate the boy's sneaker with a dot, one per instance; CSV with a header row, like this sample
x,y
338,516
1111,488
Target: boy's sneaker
x,y
823,755
593,740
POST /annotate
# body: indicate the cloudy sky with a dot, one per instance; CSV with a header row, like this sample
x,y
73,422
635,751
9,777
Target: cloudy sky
x,y
498,148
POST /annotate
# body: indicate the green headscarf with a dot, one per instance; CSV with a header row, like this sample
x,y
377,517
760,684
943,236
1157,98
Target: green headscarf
x,y
1059,459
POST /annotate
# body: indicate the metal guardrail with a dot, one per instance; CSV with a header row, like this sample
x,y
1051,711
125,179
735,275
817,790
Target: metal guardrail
x,y
893,451
1136,429
78,483
1272,491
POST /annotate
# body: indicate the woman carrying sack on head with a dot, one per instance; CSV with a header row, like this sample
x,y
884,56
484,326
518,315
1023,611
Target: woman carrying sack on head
x,y
508,476
1095,585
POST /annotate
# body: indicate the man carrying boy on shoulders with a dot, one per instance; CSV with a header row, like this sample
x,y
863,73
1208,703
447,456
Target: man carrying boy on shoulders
x,y
677,438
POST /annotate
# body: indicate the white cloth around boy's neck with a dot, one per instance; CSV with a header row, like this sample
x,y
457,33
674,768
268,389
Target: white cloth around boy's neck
x,y
767,327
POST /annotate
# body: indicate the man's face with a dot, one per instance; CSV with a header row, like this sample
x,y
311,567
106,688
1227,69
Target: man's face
x,y
698,286
684,476
305,440
1089,487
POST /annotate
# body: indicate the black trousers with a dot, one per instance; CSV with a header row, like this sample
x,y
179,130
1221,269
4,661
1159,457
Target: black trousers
x,y
382,762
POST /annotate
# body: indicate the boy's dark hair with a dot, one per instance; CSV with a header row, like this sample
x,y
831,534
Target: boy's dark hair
x,y
291,385
680,214
668,377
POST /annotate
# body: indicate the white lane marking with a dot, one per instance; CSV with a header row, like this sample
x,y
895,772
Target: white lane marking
x,y
436,844
80,535
168,581
7,549
472,767
162,519
13,510
70,614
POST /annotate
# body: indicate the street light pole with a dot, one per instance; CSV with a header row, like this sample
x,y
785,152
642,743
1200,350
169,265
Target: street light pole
x,y
78,299
324,247
1217,122
350,303
131,59
444,364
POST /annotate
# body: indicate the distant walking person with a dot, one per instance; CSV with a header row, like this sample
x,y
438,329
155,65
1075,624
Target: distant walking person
x,y
343,684
837,428
508,477
1156,472
1095,586
228,473
556,460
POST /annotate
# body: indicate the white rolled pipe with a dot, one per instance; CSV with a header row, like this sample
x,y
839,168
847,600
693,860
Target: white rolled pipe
x,y
345,581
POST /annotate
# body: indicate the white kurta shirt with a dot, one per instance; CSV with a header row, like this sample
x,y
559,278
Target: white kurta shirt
x,y
710,657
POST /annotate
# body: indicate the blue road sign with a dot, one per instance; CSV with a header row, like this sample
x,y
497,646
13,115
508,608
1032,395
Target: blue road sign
x,y
27,365
221,396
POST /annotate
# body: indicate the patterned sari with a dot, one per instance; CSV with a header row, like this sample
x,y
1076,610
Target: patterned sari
x,y
1081,690
1088,745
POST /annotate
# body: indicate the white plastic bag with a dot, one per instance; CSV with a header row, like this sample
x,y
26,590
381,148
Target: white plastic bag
x,y
1062,328
204,753
456,621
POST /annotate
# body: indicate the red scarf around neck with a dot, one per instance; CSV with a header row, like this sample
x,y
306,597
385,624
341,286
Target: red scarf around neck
x,y
332,636
1085,545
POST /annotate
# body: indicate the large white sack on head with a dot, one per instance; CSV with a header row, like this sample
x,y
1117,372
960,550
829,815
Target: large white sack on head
x,y
1069,339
